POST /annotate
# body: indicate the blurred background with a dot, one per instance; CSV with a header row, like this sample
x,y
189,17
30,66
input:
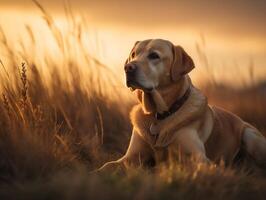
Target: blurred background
x,y
232,34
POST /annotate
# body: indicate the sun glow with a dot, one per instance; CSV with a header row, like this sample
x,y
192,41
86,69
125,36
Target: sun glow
x,y
111,43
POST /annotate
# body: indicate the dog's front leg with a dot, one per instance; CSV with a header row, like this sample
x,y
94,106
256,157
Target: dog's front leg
x,y
139,153
189,142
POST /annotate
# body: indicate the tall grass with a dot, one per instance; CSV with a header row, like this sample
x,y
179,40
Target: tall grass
x,y
59,119
63,114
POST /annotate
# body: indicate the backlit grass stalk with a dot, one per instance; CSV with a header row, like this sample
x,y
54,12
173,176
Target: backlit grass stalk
x,y
24,88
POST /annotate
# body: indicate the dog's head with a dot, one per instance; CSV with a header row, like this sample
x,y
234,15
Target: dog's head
x,y
155,63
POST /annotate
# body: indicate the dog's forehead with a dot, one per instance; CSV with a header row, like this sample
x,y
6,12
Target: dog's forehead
x,y
155,44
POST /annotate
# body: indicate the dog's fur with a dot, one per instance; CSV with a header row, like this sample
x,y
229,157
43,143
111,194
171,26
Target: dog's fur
x,y
205,132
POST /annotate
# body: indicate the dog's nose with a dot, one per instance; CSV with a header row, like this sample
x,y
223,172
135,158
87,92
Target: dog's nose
x,y
130,68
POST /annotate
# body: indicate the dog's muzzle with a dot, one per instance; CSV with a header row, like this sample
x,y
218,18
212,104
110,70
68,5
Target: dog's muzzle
x,y
130,70
131,77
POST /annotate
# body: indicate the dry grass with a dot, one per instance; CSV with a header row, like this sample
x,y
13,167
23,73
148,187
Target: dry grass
x,y
55,127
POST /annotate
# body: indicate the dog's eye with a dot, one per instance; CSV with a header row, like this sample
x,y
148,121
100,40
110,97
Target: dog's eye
x,y
153,56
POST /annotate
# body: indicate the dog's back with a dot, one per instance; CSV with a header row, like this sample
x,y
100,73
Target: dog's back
x,y
225,139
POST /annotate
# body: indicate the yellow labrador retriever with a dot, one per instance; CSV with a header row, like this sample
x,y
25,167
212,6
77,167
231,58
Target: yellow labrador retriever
x,y
173,116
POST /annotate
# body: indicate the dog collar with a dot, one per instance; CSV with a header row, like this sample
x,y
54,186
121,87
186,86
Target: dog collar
x,y
175,106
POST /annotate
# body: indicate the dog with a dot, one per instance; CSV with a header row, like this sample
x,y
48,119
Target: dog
x,y
173,116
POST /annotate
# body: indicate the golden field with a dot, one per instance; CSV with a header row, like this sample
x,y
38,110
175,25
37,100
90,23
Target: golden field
x,y
62,116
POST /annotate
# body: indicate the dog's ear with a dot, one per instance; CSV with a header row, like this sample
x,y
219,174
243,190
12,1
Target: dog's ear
x,y
127,60
146,101
182,63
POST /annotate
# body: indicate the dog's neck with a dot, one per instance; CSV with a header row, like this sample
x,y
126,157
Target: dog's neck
x,y
162,98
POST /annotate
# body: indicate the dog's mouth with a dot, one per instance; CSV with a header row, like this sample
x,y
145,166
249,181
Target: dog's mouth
x,y
133,85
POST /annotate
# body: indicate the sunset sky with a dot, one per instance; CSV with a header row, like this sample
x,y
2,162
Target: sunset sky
x,y
234,31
